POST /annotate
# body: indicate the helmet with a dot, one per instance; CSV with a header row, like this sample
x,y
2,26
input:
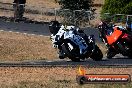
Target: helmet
x,y
54,27
102,26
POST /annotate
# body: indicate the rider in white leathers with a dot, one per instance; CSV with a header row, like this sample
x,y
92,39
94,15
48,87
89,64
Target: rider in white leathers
x,y
71,32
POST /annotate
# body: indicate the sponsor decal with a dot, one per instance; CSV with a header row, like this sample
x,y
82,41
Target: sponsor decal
x,y
83,78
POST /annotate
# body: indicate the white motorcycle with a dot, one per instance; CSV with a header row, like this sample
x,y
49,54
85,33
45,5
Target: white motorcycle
x,y
73,43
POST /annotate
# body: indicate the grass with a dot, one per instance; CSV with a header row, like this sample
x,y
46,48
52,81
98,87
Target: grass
x,y
67,85
58,77
38,3
19,47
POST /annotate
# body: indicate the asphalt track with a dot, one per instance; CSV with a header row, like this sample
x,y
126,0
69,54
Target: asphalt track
x,y
115,62
42,30
37,29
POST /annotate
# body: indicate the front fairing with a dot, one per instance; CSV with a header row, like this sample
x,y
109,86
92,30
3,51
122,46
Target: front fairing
x,y
113,37
59,35
77,40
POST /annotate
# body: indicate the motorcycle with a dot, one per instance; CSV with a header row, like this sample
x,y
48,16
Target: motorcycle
x,y
118,40
75,44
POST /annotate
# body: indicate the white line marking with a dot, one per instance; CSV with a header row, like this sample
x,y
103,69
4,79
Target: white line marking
x,y
1,30
31,34
25,33
10,31
48,61
17,32
41,35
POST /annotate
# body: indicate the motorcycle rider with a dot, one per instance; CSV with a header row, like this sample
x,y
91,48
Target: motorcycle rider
x,y
19,8
58,30
54,27
128,25
104,30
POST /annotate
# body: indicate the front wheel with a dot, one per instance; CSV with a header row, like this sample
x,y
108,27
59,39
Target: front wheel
x,y
69,54
97,55
111,53
75,59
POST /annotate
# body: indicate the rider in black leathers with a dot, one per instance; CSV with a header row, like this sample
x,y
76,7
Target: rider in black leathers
x,y
102,32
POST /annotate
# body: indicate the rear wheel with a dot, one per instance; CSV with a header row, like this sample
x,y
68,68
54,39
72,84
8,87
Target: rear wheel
x,y
97,55
129,53
110,55
130,56
125,48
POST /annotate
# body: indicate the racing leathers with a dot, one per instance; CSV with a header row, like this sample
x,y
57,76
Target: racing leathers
x,y
69,32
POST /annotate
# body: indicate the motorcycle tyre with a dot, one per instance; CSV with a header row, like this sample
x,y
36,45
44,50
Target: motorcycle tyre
x,y
75,59
66,50
97,55
124,50
110,55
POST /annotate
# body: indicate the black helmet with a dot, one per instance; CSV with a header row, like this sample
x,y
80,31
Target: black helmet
x,y
102,26
54,27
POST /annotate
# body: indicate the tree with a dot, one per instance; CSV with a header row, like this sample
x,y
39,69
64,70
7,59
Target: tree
x,y
75,4
117,7
74,11
127,9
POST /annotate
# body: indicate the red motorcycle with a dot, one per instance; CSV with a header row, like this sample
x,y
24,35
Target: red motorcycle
x,y
118,41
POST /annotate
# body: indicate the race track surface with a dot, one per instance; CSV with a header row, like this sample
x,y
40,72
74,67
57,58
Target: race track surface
x,y
117,61
38,29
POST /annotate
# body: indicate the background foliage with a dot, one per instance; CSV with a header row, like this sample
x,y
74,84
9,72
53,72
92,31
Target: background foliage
x,y
75,11
75,4
116,7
